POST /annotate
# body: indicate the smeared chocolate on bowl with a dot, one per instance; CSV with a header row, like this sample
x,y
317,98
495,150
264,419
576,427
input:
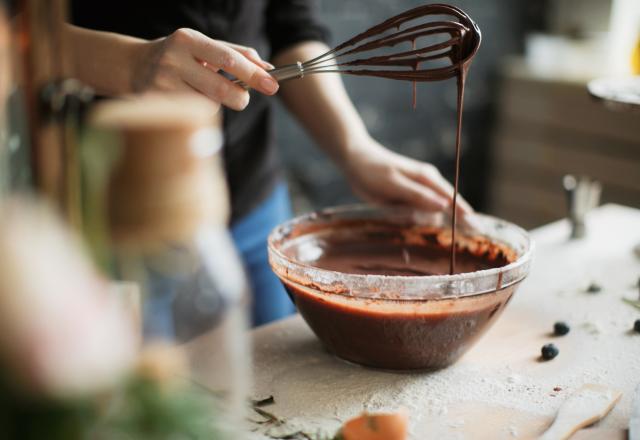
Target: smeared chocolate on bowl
x,y
387,329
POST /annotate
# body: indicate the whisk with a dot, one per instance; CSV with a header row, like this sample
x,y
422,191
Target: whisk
x,y
453,39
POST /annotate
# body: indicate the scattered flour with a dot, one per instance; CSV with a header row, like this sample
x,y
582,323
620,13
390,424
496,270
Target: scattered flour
x,y
457,424
514,378
316,391
594,328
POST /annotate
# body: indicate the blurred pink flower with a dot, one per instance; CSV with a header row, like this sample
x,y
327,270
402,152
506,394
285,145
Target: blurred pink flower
x,y
61,331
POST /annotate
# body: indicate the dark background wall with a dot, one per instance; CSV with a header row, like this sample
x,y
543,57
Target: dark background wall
x,y
426,133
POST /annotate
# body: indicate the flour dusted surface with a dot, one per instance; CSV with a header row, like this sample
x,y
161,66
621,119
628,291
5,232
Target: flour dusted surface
x,y
500,389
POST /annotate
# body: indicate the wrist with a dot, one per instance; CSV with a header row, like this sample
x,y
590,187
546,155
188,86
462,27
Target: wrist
x,y
351,145
139,56
105,61
357,150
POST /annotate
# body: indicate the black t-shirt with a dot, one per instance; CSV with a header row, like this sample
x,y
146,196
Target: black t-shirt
x,y
269,26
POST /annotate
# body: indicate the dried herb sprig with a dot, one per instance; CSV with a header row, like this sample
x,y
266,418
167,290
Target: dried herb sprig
x,y
632,303
269,418
259,403
301,435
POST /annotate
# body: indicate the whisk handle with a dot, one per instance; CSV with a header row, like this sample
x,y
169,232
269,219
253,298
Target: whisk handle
x,y
290,71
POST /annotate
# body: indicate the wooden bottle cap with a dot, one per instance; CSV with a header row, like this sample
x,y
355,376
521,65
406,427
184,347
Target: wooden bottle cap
x,y
167,179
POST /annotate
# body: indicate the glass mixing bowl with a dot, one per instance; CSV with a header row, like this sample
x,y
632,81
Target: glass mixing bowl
x,y
403,321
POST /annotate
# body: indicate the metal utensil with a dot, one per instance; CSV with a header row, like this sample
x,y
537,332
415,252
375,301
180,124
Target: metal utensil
x,y
283,73
442,38
583,194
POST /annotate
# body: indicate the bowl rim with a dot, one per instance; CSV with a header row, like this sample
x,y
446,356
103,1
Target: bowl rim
x,y
279,232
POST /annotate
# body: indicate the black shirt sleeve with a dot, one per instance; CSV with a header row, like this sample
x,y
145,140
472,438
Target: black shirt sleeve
x,y
289,22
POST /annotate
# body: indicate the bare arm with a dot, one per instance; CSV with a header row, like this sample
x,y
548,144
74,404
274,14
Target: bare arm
x,y
321,104
103,60
185,61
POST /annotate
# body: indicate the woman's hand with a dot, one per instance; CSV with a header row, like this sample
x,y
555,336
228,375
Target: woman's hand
x,y
381,176
376,174
188,60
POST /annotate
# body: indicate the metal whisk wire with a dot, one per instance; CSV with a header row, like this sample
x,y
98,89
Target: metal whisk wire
x,y
459,40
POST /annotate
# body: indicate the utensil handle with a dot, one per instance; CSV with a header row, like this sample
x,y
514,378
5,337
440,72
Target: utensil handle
x,y
283,73
584,407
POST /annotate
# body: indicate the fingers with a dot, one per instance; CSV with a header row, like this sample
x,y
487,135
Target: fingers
x,y
473,222
462,206
188,87
443,191
429,175
252,54
221,56
215,86
188,60
418,195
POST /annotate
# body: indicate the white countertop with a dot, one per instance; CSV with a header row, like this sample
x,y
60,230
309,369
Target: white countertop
x,y
499,389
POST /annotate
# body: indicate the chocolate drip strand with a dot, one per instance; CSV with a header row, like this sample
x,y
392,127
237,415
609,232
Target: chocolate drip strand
x,y
452,44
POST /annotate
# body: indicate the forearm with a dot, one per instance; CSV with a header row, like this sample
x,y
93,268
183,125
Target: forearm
x,y
103,60
321,104
378,175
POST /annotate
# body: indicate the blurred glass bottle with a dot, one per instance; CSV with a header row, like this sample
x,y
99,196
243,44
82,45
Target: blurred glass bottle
x,y
5,85
635,57
41,107
156,212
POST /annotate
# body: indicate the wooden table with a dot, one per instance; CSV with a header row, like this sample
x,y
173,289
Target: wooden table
x,y
500,389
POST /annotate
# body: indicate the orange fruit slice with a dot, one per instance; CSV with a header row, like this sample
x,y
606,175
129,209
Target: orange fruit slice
x,y
376,427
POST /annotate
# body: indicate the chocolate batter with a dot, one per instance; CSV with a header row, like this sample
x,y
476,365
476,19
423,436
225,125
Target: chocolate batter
x,y
378,248
399,335
394,333
386,247
459,49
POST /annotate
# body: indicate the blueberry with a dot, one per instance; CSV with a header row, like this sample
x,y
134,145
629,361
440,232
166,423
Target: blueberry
x,y
594,288
549,351
636,325
560,328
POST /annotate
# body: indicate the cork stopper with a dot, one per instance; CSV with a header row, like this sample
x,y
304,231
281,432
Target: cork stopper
x,y
167,179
